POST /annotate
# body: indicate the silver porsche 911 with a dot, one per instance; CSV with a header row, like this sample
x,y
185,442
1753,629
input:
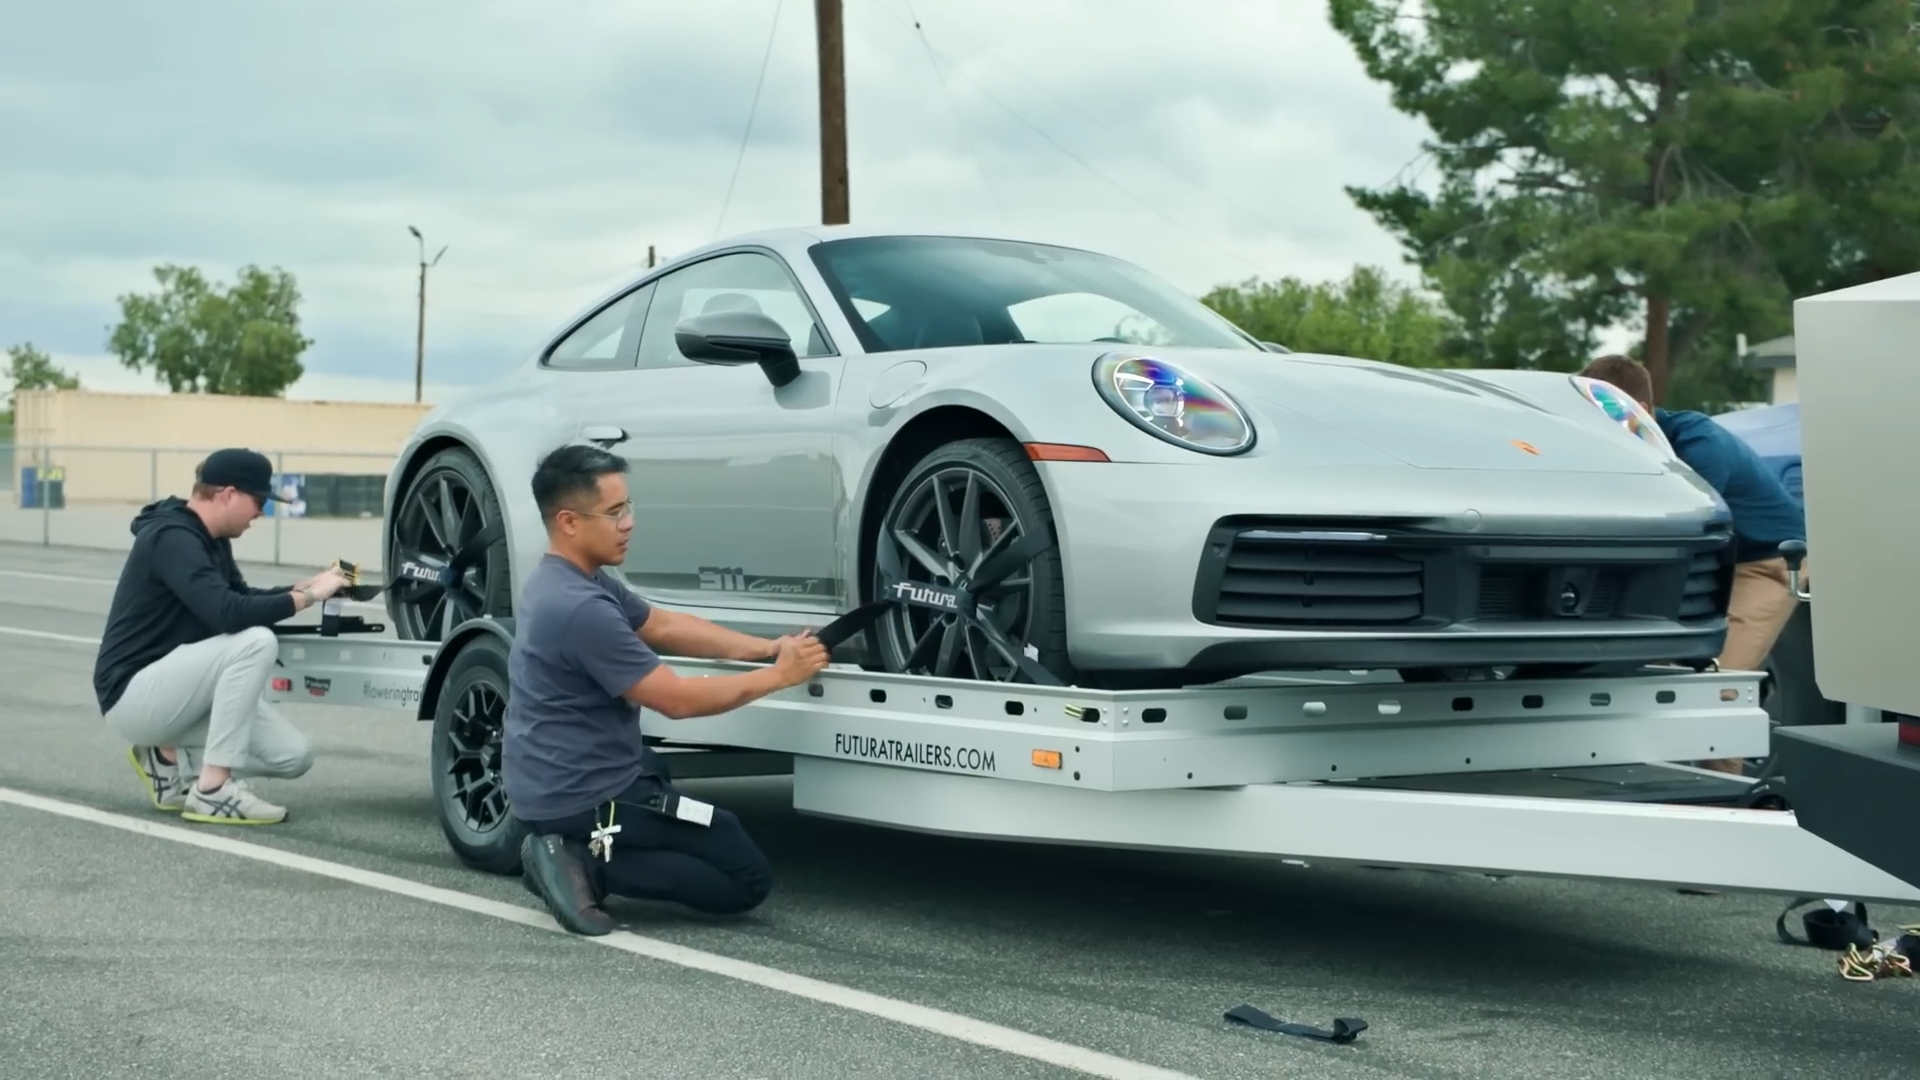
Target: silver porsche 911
x,y
1057,462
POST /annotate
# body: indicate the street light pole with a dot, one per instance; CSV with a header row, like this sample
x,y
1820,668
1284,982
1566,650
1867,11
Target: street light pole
x,y
420,327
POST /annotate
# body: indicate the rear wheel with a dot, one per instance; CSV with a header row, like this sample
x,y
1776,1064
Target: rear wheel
x,y
468,721
960,505
445,506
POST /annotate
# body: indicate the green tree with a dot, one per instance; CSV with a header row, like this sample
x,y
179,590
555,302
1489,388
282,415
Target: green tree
x,y
31,369
1684,166
1367,315
200,338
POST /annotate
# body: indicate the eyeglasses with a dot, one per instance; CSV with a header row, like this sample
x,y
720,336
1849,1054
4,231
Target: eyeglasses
x,y
622,512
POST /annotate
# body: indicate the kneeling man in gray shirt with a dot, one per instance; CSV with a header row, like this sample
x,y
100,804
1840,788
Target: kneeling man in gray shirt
x,y
602,814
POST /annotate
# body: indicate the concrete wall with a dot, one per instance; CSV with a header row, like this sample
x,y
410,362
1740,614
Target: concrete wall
x,y
128,448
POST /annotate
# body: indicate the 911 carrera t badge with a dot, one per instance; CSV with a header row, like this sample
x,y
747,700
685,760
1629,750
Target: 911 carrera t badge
x,y
1527,447
735,579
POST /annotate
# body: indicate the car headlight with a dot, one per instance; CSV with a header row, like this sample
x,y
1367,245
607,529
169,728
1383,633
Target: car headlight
x,y
1175,405
1623,410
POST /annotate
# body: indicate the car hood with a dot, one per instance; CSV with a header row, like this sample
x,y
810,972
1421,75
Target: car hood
x,y
1425,418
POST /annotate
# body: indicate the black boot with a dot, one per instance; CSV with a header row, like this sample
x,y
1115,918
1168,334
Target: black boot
x,y
556,874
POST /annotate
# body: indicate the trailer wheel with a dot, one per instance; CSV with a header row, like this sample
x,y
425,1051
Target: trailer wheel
x,y
444,507
468,795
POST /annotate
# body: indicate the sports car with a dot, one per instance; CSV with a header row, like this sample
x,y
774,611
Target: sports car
x,y
1056,461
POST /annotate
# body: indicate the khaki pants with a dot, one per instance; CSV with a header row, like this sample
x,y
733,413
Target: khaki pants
x,y
1757,611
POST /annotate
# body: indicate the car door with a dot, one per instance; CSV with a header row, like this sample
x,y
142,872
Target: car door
x,y
732,479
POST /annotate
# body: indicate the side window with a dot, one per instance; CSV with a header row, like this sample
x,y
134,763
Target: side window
x,y
605,341
745,281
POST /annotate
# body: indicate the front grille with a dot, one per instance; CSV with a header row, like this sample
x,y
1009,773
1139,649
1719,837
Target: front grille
x,y
1294,575
1281,583
1709,580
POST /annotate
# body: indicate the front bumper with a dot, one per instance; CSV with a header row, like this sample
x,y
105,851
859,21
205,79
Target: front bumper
x,y
1177,567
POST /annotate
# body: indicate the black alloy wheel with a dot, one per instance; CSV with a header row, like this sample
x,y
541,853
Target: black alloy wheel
x,y
473,758
448,503
469,721
960,507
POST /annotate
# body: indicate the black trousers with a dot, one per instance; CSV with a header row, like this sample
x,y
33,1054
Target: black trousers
x,y
714,868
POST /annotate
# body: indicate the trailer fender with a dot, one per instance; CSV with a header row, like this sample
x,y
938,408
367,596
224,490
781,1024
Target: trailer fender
x,y
443,657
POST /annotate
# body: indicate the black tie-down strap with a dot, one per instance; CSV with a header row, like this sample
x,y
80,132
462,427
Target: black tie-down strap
x,y
1345,1028
1864,957
1826,928
959,601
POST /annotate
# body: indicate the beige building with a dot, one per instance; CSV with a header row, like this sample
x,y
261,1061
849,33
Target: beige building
x,y
1775,356
129,448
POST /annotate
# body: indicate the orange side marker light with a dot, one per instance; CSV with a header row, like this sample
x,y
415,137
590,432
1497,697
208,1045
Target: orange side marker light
x,y
1040,451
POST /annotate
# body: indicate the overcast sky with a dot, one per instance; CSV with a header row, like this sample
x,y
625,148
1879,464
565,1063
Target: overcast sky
x,y
549,142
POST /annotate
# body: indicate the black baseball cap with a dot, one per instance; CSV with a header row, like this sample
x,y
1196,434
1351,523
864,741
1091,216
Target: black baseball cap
x,y
245,470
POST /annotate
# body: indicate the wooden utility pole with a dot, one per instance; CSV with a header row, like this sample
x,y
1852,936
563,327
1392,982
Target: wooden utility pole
x,y
835,198
420,328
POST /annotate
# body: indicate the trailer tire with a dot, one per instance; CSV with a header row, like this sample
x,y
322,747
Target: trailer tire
x,y
468,797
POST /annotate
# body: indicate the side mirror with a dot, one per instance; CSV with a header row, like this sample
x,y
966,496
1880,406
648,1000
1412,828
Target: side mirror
x,y
739,337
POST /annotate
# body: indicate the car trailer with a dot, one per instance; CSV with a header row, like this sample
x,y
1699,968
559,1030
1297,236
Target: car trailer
x,y
1558,777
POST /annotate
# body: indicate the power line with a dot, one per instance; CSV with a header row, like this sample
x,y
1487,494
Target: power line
x,y
959,121
1110,129
753,111
1083,163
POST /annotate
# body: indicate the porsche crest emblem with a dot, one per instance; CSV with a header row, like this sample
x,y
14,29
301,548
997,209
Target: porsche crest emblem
x,y
1527,447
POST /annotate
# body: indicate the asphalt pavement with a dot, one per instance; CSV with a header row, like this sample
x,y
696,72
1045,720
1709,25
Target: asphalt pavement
x,y
881,954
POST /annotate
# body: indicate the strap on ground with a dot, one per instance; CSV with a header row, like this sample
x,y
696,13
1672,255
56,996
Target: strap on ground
x,y
1345,1028
1835,931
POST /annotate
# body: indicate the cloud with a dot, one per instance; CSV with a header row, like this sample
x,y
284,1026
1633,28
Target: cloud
x,y
549,142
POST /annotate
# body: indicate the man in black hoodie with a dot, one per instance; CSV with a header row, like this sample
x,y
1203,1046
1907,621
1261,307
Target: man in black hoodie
x,y
187,652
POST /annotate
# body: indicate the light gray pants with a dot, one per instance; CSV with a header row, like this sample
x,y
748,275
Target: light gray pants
x,y
210,697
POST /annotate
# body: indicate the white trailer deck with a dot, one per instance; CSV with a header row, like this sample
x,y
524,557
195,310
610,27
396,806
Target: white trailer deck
x,y
1565,778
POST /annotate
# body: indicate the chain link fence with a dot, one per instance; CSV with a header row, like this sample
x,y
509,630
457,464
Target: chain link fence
x,y
88,496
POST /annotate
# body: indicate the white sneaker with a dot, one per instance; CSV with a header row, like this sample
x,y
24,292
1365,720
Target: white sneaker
x,y
232,803
166,787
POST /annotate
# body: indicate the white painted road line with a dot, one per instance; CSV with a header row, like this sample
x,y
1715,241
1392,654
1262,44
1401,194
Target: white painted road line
x,y
59,577
48,635
70,579
940,1022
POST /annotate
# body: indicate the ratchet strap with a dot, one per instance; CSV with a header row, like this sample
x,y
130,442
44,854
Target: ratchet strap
x,y
1864,957
1345,1028
1826,928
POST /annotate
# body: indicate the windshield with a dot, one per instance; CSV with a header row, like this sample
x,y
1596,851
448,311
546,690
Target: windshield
x,y
924,292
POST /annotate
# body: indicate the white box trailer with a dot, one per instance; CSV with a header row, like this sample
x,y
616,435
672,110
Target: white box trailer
x,y
1571,778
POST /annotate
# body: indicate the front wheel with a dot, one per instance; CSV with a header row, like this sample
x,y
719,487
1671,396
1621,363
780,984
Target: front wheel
x,y
469,720
958,507
446,505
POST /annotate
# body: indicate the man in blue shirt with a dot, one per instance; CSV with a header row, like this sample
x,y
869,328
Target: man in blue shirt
x,y
1765,515
602,813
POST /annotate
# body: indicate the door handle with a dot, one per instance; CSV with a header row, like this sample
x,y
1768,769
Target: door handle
x,y
604,434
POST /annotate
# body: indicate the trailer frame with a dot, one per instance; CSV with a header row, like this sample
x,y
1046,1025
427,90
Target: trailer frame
x,y
1566,777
